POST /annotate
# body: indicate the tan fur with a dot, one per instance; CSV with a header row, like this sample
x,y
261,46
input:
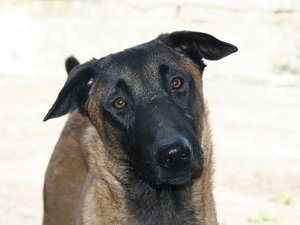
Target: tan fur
x,y
202,188
104,197
82,183
66,174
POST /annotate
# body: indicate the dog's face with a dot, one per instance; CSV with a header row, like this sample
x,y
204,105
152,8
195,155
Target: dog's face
x,y
150,109
147,101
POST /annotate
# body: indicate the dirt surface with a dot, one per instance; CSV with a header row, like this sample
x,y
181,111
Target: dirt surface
x,y
254,99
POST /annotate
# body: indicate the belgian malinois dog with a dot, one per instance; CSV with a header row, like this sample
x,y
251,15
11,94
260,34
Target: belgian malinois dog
x,y
136,149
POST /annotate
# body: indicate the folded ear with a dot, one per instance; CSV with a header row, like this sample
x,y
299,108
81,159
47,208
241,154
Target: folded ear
x,y
197,45
75,92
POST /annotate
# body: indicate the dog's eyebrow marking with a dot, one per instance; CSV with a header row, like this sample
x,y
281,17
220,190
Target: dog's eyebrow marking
x,y
163,69
125,87
122,84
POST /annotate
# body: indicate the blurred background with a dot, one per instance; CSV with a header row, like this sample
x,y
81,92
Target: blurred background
x,y
253,95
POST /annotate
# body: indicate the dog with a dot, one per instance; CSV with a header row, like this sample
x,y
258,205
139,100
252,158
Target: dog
x,y
136,149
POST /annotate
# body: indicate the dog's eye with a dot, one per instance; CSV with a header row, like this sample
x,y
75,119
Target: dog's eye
x,y
177,83
119,103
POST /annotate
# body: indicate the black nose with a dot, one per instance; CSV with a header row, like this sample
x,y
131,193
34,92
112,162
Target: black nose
x,y
175,155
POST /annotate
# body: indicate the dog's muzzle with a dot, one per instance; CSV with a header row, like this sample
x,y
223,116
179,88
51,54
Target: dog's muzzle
x,y
168,151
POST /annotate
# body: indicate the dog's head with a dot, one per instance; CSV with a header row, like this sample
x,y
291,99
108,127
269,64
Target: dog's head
x,y
147,101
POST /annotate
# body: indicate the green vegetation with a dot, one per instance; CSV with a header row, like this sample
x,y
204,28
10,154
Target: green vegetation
x,y
283,198
260,218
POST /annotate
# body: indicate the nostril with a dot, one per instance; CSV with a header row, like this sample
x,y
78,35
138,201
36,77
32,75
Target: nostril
x,y
168,160
184,155
165,158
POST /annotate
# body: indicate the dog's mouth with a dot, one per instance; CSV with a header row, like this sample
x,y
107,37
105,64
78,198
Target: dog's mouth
x,y
157,179
183,177
154,177
179,180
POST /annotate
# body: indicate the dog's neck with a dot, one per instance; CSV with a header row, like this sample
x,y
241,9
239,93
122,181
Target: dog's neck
x,y
164,205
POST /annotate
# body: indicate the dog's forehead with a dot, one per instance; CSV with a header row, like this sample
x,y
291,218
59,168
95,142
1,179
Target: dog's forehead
x,y
140,67
140,60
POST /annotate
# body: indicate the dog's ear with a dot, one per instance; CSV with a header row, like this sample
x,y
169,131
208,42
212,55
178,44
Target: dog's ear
x,y
197,45
75,92
70,63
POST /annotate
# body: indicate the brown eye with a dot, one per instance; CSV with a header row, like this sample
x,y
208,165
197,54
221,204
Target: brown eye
x,y
119,103
177,83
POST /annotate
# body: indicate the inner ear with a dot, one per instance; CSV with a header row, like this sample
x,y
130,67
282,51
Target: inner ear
x,y
197,45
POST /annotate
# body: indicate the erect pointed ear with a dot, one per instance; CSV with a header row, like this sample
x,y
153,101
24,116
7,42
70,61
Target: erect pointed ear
x,y
197,45
75,92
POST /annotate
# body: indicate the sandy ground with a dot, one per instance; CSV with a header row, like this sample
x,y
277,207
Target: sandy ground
x,y
254,100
